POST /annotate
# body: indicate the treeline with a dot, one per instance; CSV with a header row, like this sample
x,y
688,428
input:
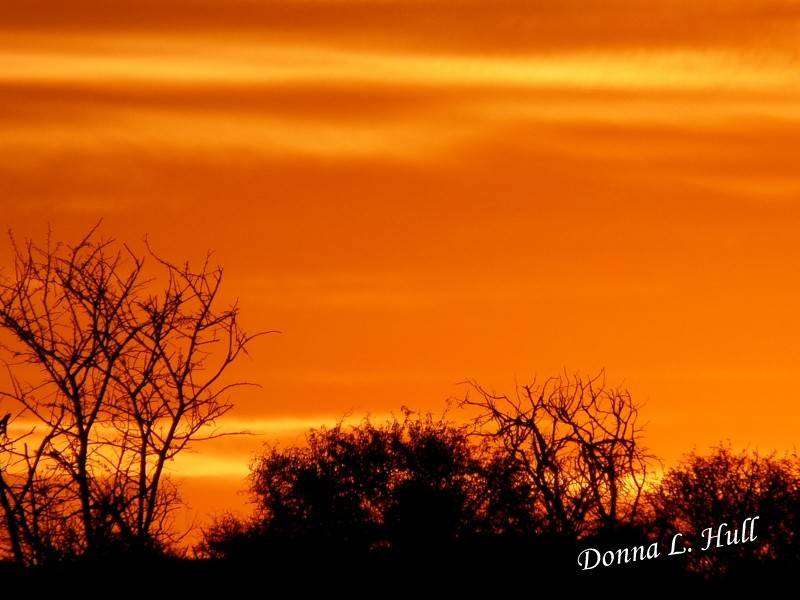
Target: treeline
x,y
532,480
117,362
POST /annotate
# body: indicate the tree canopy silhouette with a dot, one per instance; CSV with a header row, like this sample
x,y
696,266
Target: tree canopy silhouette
x,y
414,482
728,487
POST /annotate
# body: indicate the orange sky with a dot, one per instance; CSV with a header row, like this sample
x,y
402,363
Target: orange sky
x,y
420,192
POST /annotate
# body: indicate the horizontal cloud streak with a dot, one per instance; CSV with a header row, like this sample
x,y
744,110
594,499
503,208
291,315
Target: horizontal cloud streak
x,y
456,25
214,63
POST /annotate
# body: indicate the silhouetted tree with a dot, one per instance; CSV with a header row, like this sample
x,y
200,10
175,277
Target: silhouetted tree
x,y
728,487
411,484
577,446
114,374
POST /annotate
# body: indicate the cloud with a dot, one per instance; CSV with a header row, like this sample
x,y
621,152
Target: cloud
x,y
208,62
203,97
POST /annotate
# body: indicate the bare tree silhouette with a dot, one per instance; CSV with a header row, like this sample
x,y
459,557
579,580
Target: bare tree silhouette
x,y
114,373
577,443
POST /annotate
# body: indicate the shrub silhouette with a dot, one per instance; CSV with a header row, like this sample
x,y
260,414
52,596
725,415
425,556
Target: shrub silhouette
x,y
727,487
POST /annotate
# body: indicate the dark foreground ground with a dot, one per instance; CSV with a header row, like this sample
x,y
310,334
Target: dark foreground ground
x,y
441,574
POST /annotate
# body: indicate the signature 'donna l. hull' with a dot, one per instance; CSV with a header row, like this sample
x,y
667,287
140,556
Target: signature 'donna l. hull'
x,y
710,538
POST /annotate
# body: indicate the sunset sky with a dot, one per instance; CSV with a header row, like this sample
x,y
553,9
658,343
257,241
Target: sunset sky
x,y
420,192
